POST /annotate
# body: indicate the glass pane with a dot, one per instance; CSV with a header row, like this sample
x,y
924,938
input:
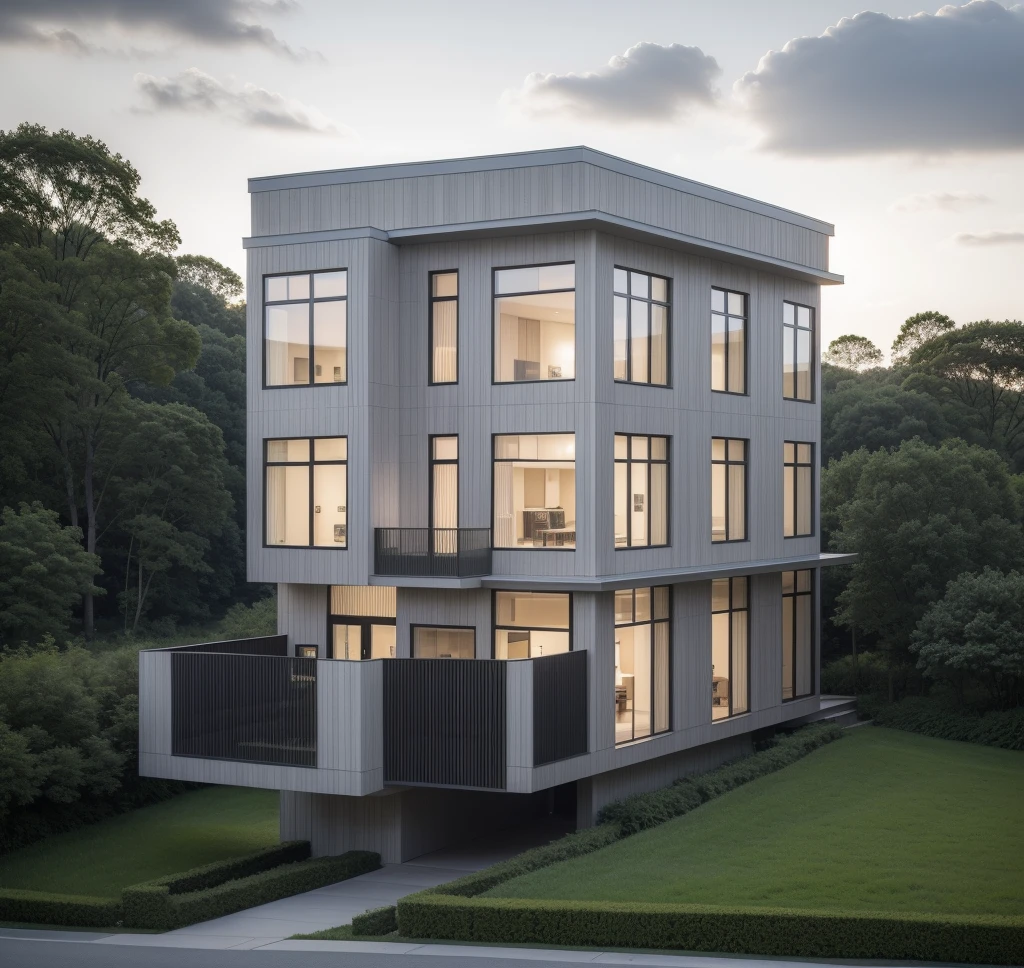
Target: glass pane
x,y
661,595
659,345
737,526
621,446
787,582
287,510
803,365
642,604
330,516
788,511
803,581
288,451
659,504
329,284
788,363
739,592
659,448
803,317
623,606
638,445
661,676
803,452
287,345
720,595
787,648
535,278
718,352
330,448
446,505
718,448
621,334
639,284
717,301
718,532
382,641
445,284
428,643
621,515
740,686
535,338
348,642
641,680
444,359
788,314
288,287
736,377
804,503
737,304
804,646
639,330
330,357
788,452
619,278
720,678
557,277
737,449
659,289
533,609
446,448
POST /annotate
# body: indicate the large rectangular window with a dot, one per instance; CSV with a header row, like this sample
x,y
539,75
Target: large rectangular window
x,y
797,634
797,352
361,622
535,491
306,492
535,323
728,341
640,327
443,643
642,677
730,647
305,329
641,491
444,493
728,489
444,327
797,489
528,625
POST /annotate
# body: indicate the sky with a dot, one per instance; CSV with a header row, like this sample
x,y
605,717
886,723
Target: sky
x,y
902,125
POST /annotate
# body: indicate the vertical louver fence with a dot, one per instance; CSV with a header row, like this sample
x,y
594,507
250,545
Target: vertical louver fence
x,y
559,707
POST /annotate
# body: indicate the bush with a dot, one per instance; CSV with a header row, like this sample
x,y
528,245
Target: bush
x,y
250,621
201,878
73,910
837,677
377,922
990,940
932,717
152,905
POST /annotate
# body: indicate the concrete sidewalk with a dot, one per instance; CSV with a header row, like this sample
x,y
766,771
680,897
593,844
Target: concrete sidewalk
x,y
337,904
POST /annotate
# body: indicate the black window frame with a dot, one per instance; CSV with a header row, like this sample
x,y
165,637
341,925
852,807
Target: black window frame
x,y
517,628
652,621
433,462
651,301
311,463
432,299
795,594
311,301
494,461
795,465
796,328
495,296
730,611
728,462
424,625
745,392
629,461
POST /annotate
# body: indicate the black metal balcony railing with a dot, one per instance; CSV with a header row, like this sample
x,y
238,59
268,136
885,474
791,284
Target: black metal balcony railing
x,y
432,552
559,707
245,700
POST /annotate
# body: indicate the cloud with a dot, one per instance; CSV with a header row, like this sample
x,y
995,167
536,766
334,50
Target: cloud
x,y
994,237
943,201
926,84
647,83
222,23
249,105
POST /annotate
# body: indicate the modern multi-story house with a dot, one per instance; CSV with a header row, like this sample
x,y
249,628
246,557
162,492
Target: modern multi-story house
x,y
533,464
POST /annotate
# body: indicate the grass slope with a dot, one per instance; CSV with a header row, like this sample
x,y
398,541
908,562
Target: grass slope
x,y
187,831
882,821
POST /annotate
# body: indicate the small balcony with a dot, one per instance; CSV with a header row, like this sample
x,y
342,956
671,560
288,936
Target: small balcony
x,y
432,552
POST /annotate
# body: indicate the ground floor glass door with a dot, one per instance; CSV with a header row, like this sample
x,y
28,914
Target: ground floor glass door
x,y
360,638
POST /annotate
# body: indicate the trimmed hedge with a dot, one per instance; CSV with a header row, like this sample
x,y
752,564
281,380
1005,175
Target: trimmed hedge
x,y
153,906
72,910
221,871
920,714
992,940
377,922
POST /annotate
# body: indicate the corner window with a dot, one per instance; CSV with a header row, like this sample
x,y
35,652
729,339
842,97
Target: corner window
x,y
641,663
728,341
641,491
444,327
797,352
797,489
306,492
535,323
528,625
305,329
443,643
640,327
730,647
728,489
535,491
797,634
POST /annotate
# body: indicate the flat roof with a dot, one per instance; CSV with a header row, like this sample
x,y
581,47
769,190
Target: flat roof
x,y
529,159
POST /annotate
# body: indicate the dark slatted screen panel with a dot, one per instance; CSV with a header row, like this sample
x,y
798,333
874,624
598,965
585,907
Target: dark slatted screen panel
x,y
256,708
559,707
444,722
438,552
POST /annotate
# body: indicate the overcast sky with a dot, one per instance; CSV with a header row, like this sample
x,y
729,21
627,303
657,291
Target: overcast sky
x,y
903,127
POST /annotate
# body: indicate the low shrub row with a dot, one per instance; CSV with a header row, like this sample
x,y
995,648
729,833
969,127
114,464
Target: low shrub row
x,y
922,714
377,922
212,875
71,910
989,940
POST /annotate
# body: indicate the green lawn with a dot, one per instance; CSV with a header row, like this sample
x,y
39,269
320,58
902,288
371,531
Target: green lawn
x,y
187,831
883,820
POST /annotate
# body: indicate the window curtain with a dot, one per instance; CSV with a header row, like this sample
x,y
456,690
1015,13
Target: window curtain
x,y
803,646
276,505
737,502
740,684
661,676
659,504
445,341
504,513
446,508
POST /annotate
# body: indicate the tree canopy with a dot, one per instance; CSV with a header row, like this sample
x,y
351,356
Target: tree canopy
x,y
853,353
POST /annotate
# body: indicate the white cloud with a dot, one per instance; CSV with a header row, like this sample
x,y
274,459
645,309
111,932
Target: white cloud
x,y
941,201
195,91
647,83
930,83
993,237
